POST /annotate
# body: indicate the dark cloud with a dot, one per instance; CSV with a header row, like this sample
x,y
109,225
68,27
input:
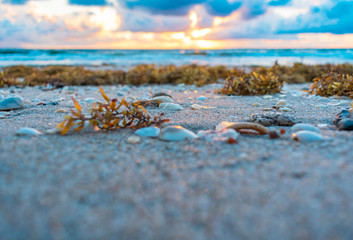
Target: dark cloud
x,y
221,7
182,7
163,7
15,2
89,2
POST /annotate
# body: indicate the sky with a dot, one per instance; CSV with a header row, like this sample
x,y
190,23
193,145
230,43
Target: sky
x,y
175,24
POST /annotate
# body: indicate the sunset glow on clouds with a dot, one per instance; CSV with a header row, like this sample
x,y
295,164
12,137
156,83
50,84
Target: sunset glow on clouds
x,y
183,24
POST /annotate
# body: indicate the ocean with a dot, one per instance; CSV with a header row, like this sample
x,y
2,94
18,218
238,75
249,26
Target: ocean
x,y
125,59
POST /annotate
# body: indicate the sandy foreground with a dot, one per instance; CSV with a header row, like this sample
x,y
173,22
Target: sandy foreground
x,y
95,185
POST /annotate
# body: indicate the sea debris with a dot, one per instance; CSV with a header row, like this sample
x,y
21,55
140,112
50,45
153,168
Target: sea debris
x,y
111,115
252,84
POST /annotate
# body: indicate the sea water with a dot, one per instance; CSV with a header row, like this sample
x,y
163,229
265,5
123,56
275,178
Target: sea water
x,y
125,59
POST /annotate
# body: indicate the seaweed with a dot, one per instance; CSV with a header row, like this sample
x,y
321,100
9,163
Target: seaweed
x,y
252,84
332,84
111,115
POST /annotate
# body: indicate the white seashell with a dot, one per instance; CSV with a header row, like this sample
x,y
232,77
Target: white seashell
x,y
28,132
162,99
220,135
301,126
11,103
176,133
171,106
148,132
307,136
223,125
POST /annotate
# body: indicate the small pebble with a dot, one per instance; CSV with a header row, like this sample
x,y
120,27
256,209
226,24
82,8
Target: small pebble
x,y
346,124
161,94
134,139
285,109
273,134
201,98
281,103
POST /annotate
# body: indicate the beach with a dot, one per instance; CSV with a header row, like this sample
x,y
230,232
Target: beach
x,y
96,185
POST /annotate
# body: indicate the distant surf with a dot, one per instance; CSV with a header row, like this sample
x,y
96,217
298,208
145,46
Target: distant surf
x,y
128,58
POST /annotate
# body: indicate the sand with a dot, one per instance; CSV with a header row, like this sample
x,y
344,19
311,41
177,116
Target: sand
x,y
94,185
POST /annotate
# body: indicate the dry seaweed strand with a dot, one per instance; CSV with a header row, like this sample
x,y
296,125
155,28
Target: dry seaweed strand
x,y
109,116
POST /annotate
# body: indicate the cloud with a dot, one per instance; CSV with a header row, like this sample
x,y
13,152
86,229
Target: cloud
x,y
335,17
182,7
278,2
15,2
89,2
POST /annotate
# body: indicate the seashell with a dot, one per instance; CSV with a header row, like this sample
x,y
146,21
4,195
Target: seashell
x,y
218,135
307,136
171,106
223,125
28,132
162,99
176,133
302,126
11,103
148,132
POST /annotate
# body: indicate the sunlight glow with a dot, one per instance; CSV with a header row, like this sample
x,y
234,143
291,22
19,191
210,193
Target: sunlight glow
x,y
200,33
106,18
193,18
